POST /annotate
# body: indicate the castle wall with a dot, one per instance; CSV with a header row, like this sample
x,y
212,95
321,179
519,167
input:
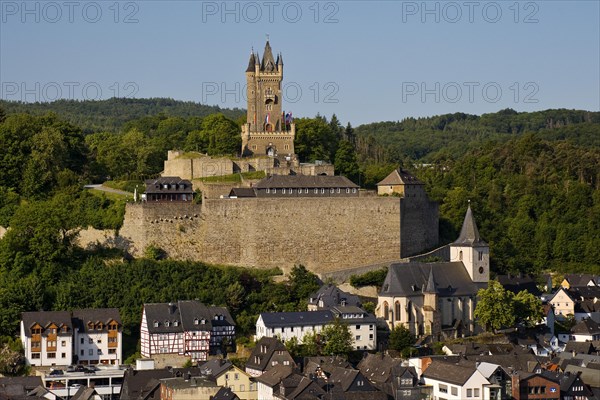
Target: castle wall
x,y
322,234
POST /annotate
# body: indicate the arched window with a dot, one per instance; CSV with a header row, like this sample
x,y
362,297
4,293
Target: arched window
x,y
386,310
409,311
460,255
397,311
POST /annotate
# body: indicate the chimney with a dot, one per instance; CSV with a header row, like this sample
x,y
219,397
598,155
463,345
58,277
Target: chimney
x,y
171,308
516,389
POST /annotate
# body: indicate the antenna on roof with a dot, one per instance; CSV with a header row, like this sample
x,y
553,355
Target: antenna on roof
x,y
267,37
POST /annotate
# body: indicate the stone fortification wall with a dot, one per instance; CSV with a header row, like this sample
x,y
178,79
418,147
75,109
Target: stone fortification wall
x,y
419,225
324,234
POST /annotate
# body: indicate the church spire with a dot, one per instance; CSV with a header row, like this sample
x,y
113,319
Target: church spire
x,y
430,288
469,234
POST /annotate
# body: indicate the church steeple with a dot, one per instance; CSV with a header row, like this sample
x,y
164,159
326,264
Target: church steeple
x,y
469,234
471,250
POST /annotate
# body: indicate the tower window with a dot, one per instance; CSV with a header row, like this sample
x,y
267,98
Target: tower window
x,y
460,255
480,255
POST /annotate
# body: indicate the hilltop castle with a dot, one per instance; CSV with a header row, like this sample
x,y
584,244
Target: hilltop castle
x,y
267,136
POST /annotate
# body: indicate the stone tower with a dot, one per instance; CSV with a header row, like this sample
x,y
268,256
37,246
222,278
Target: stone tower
x,y
268,129
472,250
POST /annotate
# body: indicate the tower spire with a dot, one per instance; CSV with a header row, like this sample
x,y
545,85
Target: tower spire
x,y
430,288
469,234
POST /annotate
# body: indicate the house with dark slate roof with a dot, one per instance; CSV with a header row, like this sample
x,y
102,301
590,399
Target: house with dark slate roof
x,y
401,183
168,188
330,296
87,336
287,325
586,331
187,328
305,186
454,381
438,299
267,353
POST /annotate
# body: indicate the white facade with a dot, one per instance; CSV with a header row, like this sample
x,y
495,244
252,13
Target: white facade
x,y
364,333
99,347
48,348
472,389
476,260
265,392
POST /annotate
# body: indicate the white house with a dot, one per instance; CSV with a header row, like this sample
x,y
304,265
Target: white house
x,y
98,336
586,331
186,328
456,382
286,325
88,336
47,337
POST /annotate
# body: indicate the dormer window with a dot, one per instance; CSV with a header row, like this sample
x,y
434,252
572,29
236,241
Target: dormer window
x,y
196,321
156,324
165,186
167,323
175,323
90,326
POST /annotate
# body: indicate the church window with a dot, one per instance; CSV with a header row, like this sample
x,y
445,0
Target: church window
x,y
283,191
480,255
322,191
397,311
268,190
347,190
306,191
409,311
386,311
332,190
353,190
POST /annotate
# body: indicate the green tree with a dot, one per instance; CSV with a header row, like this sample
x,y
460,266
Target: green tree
x,y
12,363
400,338
338,338
494,308
345,160
528,309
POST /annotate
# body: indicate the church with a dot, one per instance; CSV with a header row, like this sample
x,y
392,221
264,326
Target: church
x,y
438,299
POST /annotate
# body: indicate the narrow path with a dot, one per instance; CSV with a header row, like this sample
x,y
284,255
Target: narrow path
x,y
109,190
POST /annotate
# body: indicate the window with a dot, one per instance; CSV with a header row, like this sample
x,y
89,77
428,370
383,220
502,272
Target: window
x,y
360,383
112,351
357,327
112,340
236,376
35,355
322,191
443,388
36,344
476,392
357,337
242,388
370,327
36,331
63,343
283,191
306,190
454,390
226,377
354,190
99,352
332,190
267,190
469,392
480,255
167,323
316,191
91,341
81,352
370,336
65,329
99,341
274,191
51,355
175,323
156,324
406,393
91,352
50,344
338,190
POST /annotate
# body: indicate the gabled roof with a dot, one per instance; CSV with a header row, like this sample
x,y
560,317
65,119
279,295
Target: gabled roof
x,y
410,279
242,192
305,181
139,385
266,350
84,393
586,327
307,389
457,374
300,318
175,185
517,283
224,394
326,363
579,347
81,318
275,375
469,234
215,367
45,319
378,367
182,317
331,296
580,280
399,177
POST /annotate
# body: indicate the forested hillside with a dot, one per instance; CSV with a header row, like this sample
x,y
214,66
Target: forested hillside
x,y
533,180
112,114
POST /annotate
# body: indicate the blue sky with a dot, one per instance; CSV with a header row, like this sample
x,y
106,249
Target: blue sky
x,y
365,61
